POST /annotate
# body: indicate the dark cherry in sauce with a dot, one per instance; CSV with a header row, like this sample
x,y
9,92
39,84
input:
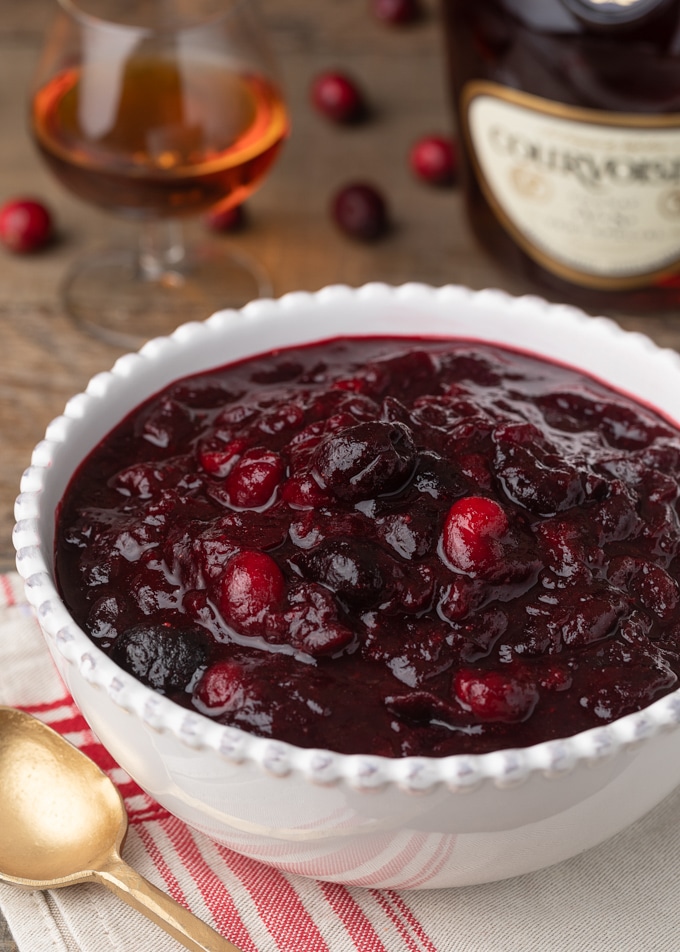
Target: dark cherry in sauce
x,y
385,546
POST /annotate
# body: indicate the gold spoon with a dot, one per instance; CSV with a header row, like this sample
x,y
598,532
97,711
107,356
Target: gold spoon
x,y
64,822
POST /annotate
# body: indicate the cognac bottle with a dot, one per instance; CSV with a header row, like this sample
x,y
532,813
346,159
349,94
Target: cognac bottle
x,y
569,118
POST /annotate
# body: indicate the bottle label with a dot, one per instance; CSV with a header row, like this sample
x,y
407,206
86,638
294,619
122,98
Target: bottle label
x,y
592,196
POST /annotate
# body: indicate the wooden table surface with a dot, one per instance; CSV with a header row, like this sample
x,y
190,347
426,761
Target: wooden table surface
x,y
44,359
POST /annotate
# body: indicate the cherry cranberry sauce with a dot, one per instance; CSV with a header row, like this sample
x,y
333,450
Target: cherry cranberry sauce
x,y
385,546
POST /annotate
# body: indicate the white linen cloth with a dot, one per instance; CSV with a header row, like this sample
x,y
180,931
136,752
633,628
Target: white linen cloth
x,y
622,896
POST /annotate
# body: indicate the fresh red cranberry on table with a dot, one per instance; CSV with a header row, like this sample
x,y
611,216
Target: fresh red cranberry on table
x,y
338,97
396,11
221,219
250,588
472,530
360,211
434,159
25,225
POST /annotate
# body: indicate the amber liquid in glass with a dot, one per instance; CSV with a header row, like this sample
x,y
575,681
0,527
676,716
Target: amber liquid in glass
x,y
169,140
539,47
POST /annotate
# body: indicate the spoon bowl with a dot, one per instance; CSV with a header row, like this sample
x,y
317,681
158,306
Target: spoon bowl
x,y
61,813
64,822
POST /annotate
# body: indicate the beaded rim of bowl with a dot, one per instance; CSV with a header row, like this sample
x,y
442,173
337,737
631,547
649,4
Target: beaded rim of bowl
x,y
459,772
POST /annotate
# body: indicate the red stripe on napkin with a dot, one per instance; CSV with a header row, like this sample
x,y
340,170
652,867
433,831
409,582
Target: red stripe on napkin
x,y
277,902
400,915
430,869
409,919
7,595
171,882
38,709
216,898
359,927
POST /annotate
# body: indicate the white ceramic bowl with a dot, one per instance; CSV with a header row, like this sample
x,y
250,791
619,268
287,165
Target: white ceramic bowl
x,y
364,820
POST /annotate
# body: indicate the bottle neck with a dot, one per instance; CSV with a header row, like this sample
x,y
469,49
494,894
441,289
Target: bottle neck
x,y
609,15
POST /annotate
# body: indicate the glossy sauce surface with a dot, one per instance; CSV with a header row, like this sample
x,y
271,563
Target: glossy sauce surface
x,y
385,546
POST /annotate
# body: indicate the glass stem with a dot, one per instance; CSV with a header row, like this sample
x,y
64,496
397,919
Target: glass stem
x,y
161,251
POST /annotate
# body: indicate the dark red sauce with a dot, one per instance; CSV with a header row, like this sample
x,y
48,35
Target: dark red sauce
x,y
385,546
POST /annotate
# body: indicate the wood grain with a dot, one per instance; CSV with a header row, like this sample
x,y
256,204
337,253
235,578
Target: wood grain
x,y
44,359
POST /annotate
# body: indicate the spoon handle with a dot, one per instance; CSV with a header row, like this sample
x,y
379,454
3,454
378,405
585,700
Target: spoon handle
x,y
177,921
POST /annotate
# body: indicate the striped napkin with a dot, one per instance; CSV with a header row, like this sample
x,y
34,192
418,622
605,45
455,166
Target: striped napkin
x,y
620,897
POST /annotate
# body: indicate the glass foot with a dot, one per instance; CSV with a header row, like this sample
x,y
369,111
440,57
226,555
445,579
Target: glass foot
x,y
113,297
